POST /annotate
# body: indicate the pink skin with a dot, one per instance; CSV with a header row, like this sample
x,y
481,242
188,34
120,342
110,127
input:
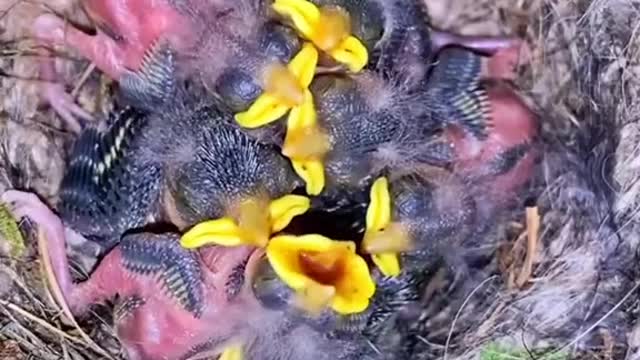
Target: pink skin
x,y
512,123
505,53
159,329
133,26
504,63
488,45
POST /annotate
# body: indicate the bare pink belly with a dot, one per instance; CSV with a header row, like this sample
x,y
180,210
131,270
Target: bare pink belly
x,y
160,329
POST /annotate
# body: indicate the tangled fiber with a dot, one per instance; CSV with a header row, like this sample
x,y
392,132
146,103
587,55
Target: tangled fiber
x,y
572,294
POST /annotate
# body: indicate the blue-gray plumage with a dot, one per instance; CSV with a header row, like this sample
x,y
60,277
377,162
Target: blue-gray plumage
x,y
154,83
374,124
176,268
455,92
101,195
240,81
186,163
396,34
227,165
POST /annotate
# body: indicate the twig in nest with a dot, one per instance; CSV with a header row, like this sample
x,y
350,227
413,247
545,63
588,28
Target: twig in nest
x,y
29,316
57,293
597,323
464,304
27,340
83,79
48,127
22,286
533,228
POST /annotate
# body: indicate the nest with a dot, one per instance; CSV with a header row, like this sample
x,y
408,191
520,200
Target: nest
x,y
572,293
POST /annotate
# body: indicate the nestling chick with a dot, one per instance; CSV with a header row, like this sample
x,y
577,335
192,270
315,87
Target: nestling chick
x,y
393,37
148,46
235,48
423,215
173,303
131,45
376,36
400,313
182,165
488,175
359,125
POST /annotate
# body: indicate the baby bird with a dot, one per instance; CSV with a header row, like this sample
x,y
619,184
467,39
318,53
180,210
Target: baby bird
x,y
359,125
173,168
396,34
131,45
372,36
182,165
173,303
238,49
149,46
422,218
489,170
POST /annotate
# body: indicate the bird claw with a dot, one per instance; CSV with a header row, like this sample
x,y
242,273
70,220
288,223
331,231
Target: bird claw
x,y
65,106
